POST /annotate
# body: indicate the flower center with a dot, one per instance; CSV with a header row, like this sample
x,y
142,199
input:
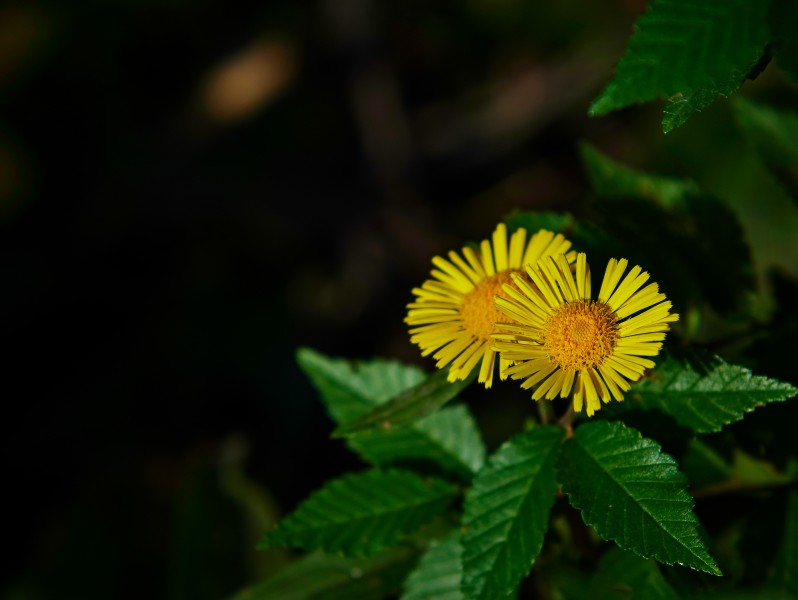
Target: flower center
x,y
478,310
581,334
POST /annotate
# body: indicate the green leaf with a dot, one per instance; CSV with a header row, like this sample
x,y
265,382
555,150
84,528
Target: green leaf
x,y
624,575
689,51
584,236
784,23
362,513
751,471
566,582
407,407
774,134
642,213
630,491
612,180
785,574
321,576
352,388
448,437
532,221
703,465
507,513
689,272
706,395
438,573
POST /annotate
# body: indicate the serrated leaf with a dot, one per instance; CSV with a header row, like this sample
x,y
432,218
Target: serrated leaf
x,y
506,513
631,492
438,574
774,134
409,406
682,106
321,576
612,180
706,395
351,388
449,437
362,513
624,575
690,51
785,573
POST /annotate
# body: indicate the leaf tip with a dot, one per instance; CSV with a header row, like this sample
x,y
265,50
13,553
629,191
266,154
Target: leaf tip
x,y
603,104
304,354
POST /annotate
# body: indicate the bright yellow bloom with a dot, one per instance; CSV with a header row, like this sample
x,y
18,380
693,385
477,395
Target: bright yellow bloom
x,y
454,313
563,339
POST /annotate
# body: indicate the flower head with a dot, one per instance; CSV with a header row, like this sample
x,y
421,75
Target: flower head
x,y
454,314
563,340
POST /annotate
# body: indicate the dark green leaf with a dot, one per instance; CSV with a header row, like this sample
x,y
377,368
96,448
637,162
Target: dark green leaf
x,y
784,23
507,513
706,395
681,248
688,51
774,133
352,388
408,407
703,465
438,574
584,236
630,491
622,575
567,582
325,577
448,437
642,214
612,180
756,472
785,574
534,221
362,513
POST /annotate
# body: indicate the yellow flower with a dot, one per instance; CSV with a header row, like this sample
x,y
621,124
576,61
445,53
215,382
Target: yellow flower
x,y
563,339
454,313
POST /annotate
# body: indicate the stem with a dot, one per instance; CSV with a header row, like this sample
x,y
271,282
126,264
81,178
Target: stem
x,y
566,420
732,485
545,412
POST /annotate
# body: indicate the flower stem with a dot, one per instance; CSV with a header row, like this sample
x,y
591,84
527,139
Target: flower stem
x,y
566,420
545,412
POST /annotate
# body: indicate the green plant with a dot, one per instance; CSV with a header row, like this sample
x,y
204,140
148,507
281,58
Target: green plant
x,y
434,517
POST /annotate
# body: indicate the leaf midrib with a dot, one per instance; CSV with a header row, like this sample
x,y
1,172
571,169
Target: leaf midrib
x,y
713,569
331,377
378,514
514,522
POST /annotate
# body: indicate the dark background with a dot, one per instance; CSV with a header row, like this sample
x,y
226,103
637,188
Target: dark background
x,y
189,191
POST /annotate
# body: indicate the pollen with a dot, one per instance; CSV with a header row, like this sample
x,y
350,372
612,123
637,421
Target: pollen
x,y
478,312
580,335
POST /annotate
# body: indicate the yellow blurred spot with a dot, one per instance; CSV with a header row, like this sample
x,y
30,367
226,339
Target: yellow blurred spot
x,y
248,81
